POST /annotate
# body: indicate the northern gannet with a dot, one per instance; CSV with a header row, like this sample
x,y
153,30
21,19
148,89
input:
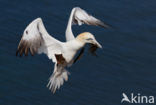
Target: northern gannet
x,y
36,39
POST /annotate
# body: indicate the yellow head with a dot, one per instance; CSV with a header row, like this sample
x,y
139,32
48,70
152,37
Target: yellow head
x,y
87,37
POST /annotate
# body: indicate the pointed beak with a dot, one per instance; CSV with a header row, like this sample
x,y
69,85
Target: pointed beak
x,y
97,44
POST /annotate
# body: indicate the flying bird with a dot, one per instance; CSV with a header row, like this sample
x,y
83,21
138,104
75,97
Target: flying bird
x,y
36,40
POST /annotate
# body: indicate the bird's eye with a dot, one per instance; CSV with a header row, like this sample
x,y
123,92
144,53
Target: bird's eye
x,y
89,39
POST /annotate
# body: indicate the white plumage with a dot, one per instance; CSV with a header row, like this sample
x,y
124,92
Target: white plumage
x,y
80,16
37,40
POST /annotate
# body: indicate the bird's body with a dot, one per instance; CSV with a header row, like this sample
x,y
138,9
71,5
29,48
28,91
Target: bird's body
x,y
36,39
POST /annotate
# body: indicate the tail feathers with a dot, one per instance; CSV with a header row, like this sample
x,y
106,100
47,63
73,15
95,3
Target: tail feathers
x,y
57,79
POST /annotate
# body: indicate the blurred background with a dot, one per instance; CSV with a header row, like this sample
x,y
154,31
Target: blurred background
x,y
127,62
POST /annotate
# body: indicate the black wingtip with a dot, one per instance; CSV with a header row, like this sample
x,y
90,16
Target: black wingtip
x,y
104,25
17,53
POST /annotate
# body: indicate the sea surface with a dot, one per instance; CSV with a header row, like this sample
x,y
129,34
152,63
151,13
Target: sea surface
x,y
126,64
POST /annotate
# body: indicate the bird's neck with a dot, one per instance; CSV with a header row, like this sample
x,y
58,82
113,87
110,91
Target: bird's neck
x,y
69,27
75,44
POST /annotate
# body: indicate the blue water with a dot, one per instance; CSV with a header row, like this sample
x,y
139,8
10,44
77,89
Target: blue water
x,y
127,62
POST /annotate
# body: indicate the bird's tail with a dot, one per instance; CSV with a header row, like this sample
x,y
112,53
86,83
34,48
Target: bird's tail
x,y
57,79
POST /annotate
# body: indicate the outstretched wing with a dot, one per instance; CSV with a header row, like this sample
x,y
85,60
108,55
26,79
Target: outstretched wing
x,y
36,39
80,16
